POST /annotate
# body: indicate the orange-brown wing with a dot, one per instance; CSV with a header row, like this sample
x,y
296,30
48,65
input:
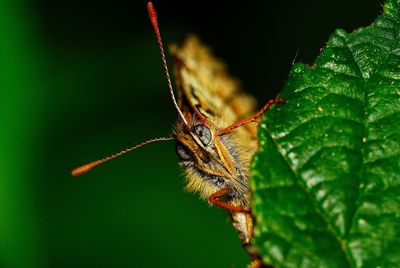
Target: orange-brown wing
x,y
205,87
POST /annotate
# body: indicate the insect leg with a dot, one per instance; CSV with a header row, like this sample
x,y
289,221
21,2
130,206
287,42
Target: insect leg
x,y
221,193
251,118
257,263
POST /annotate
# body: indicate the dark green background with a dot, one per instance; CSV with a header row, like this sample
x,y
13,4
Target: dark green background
x,y
81,79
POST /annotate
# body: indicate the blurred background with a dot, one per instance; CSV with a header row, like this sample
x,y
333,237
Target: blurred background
x,y
80,79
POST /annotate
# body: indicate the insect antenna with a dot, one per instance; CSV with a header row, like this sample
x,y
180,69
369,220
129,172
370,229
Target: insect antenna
x,y
250,119
85,168
154,22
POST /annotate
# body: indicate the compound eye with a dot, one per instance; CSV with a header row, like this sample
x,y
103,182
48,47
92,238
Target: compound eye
x,y
183,152
204,134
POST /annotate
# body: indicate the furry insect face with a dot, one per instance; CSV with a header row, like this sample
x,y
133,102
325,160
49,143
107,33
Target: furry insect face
x,y
208,163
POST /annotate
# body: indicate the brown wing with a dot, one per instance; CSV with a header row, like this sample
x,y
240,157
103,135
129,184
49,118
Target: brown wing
x,y
204,86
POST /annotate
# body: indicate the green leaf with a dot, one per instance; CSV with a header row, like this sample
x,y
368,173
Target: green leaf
x,y
326,178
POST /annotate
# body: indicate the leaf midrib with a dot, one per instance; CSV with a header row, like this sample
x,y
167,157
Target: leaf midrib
x,y
366,124
346,249
301,183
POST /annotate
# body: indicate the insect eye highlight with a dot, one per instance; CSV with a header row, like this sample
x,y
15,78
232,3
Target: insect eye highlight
x,y
204,134
183,152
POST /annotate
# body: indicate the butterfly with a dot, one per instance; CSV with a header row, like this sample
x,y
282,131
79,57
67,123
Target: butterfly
x,y
216,130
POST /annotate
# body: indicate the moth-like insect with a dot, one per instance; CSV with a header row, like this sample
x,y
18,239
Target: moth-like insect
x,y
214,138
